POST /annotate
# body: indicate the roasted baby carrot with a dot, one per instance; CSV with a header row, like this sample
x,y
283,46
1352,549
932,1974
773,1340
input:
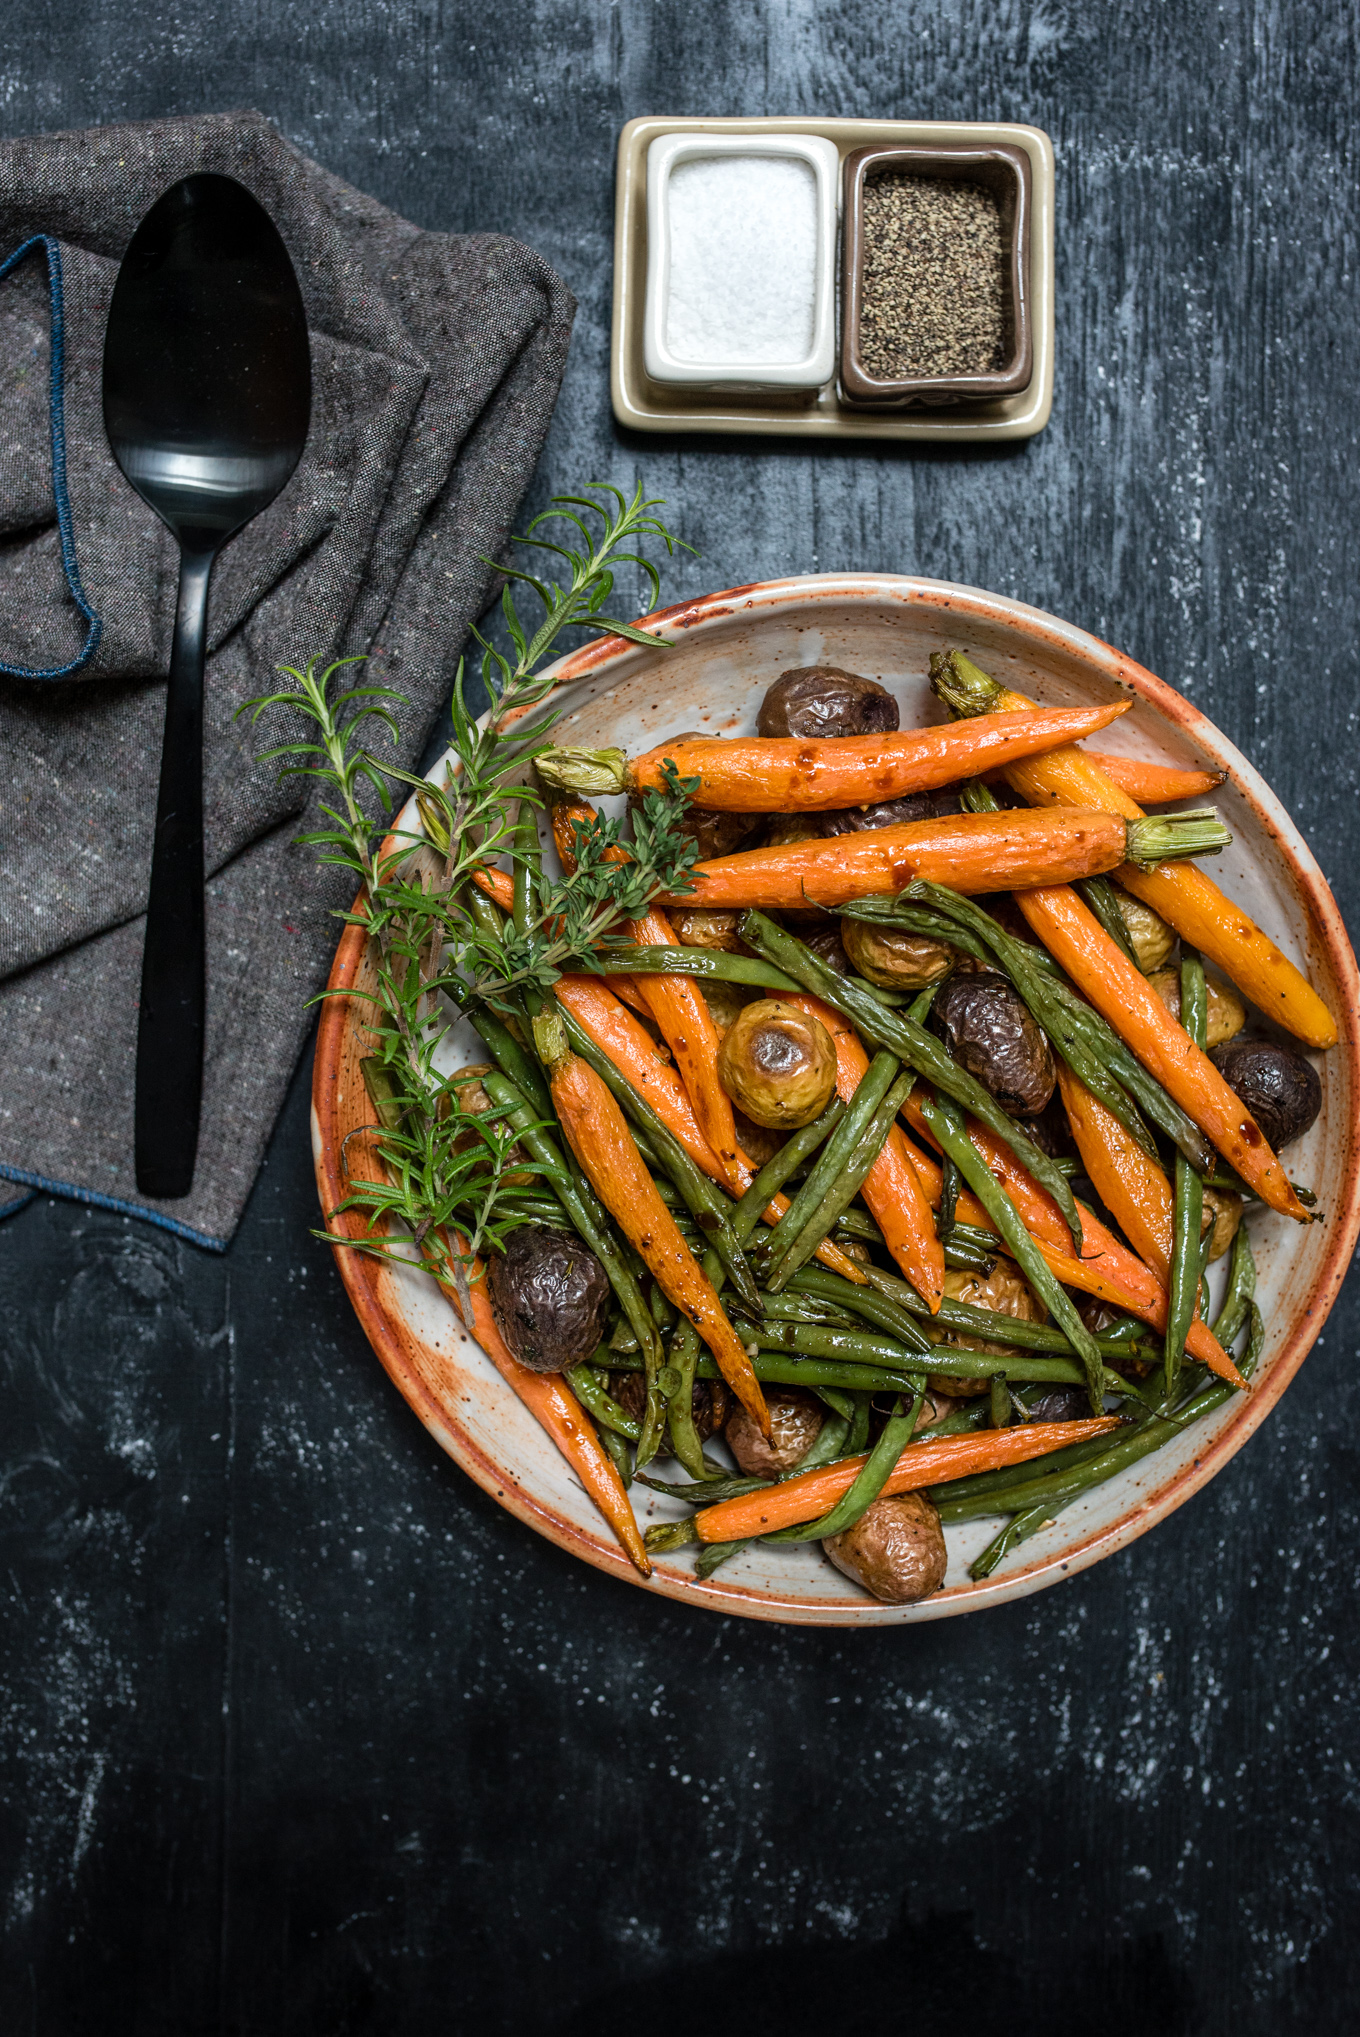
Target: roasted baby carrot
x,y
1155,784
972,852
792,774
558,1412
1107,1270
600,1138
1188,900
892,1189
635,1054
1132,1187
921,1464
676,1003
1126,1001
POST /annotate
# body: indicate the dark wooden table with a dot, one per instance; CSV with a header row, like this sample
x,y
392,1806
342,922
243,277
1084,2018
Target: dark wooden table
x,y
301,1733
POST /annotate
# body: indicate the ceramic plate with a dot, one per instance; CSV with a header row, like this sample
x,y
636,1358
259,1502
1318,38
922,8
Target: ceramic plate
x,y
726,649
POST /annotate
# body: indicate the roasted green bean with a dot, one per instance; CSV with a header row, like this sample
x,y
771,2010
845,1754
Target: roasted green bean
x,y
840,1145
846,1185
946,1123
777,1170
872,1477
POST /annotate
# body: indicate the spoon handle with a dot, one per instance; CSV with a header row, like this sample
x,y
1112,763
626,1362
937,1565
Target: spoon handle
x,y
170,1019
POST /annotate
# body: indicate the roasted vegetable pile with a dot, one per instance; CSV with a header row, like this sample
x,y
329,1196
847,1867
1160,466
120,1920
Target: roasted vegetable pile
x,y
856,1128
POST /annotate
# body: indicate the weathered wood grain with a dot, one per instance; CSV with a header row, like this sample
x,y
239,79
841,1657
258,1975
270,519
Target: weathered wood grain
x,y
300,1733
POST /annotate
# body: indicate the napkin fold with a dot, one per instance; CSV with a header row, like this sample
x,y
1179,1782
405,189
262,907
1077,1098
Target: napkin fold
x,y
436,361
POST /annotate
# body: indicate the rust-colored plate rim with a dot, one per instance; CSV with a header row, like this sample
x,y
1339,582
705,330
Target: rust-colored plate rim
x,y
409,1363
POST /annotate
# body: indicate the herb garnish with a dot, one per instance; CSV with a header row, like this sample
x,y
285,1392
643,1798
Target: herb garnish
x,y
456,1180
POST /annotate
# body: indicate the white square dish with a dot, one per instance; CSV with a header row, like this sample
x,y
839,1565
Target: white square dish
x,y
642,403
811,368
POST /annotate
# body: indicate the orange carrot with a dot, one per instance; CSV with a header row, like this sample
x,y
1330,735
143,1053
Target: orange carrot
x,y
625,988
1132,1187
1188,900
1155,784
1124,998
600,1138
1138,1196
971,851
635,1054
638,1059
794,774
558,1412
892,1188
498,885
676,1003
1107,1270
921,1464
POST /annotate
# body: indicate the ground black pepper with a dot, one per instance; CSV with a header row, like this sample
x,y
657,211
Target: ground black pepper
x,y
934,259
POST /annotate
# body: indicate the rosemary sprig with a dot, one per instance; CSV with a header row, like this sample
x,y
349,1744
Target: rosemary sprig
x,y
445,1166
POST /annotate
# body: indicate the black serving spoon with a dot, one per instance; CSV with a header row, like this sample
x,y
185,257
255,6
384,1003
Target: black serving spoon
x,y
207,397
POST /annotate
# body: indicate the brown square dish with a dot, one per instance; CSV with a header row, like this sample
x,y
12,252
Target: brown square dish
x,y
1005,173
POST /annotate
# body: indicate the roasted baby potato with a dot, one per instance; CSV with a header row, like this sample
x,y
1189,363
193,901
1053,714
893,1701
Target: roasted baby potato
x,y
1226,1012
709,1403
1222,1215
796,1420
895,1549
1279,1087
1004,1289
893,958
550,1297
891,813
822,700
778,1064
1149,935
707,930
989,1032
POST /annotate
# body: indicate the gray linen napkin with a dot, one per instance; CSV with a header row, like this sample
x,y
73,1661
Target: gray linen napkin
x,y
436,361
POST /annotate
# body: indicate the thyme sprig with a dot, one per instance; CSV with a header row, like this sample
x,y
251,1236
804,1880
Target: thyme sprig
x,y
448,1190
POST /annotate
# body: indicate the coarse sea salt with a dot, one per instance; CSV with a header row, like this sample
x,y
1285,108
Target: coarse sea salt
x,y
743,260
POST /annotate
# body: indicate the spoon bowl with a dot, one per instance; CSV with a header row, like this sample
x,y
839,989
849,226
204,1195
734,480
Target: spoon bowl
x,y
207,401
